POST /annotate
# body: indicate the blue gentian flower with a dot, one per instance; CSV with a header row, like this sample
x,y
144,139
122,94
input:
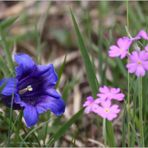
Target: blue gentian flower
x,y
33,89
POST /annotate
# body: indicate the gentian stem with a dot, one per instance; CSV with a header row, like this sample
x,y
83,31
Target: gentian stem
x,y
11,118
19,124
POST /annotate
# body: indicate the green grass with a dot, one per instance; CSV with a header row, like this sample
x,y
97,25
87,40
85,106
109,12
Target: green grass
x,y
93,42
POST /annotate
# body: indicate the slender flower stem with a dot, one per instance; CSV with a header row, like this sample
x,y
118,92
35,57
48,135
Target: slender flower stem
x,y
127,17
141,111
104,132
128,95
128,110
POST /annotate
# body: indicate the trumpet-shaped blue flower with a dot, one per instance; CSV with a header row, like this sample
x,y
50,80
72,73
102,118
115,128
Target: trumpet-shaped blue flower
x,y
33,89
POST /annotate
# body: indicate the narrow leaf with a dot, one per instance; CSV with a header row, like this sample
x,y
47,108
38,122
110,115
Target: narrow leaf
x,y
8,22
64,128
61,71
88,65
3,67
110,134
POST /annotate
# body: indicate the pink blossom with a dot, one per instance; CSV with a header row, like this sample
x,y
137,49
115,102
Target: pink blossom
x,y
110,93
138,63
121,49
103,105
141,34
108,111
146,48
90,104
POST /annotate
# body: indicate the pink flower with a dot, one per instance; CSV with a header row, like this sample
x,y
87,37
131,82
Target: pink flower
x,y
110,93
141,34
138,63
146,48
121,49
90,104
108,111
103,105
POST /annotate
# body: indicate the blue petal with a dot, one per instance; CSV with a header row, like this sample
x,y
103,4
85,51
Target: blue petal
x,y
25,64
9,86
17,98
24,60
30,115
52,92
57,106
49,73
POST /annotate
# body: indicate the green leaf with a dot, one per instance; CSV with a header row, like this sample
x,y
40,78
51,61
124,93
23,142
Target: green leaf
x,y
6,47
68,88
3,67
92,81
122,67
32,132
1,88
60,132
110,134
61,71
8,22
88,65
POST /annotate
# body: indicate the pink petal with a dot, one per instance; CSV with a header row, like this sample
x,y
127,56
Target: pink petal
x,y
97,101
104,89
123,54
110,117
114,51
131,67
143,55
115,90
87,110
90,98
121,42
88,101
145,65
119,97
110,96
106,104
140,71
114,109
95,108
142,34
100,112
102,96
124,43
86,104
134,57
146,48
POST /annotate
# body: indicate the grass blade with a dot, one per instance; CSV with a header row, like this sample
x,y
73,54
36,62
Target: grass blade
x,y
8,54
8,22
61,71
121,67
3,67
110,134
88,65
64,128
